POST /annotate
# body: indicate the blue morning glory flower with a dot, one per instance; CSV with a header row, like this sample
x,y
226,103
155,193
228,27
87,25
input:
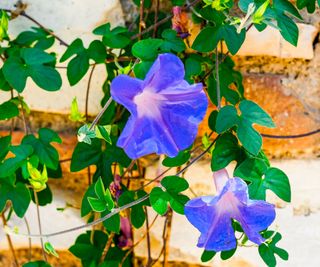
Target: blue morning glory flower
x,y
165,109
212,215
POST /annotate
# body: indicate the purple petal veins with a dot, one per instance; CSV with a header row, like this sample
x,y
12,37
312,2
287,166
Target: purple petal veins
x,y
165,109
212,215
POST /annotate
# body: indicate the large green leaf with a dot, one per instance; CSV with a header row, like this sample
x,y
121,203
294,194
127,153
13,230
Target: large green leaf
x,y
79,64
251,114
37,36
207,40
47,154
10,165
85,155
226,149
18,195
147,49
4,146
263,177
34,63
288,29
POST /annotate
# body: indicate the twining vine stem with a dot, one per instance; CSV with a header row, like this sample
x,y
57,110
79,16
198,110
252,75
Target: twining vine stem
x,y
114,211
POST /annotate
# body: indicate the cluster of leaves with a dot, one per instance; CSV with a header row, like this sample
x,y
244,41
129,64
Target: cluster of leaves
x,y
26,167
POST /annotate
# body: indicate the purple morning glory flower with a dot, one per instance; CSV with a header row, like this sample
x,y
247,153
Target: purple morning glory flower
x,y
212,215
165,109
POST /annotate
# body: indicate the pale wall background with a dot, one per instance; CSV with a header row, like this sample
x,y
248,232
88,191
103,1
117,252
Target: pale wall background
x,y
291,74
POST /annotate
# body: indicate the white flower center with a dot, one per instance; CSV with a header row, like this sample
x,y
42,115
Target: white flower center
x,y
148,103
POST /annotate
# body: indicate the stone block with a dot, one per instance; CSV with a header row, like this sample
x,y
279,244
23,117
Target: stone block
x,y
271,43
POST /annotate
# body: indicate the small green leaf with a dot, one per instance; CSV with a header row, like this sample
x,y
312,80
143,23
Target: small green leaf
x,y
5,143
207,255
174,184
207,40
227,254
278,182
225,150
4,22
115,38
182,157
159,200
18,195
49,249
97,205
269,249
172,42
47,154
97,51
253,113
10,165
8,110
227,118
288,29
147,49
103,132
16,73
113,223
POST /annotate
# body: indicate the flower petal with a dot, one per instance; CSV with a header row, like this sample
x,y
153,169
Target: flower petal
x,y
255,217
124,88
143,136
167,70
183,112
216,229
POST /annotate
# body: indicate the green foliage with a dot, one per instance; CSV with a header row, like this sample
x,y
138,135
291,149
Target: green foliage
x,y
147,49
137,214
8,110
262,177
47,154
182,157
87,250
115,38
4,21
18,194
309,4
207,255
10,165
172,43
208,39
231,87
251,113
173,186
37,38
226,149
268,250
80,62
102,200
36,264
34,63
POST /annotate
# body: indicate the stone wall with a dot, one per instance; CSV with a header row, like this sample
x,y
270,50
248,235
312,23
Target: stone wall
x,y
284,80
